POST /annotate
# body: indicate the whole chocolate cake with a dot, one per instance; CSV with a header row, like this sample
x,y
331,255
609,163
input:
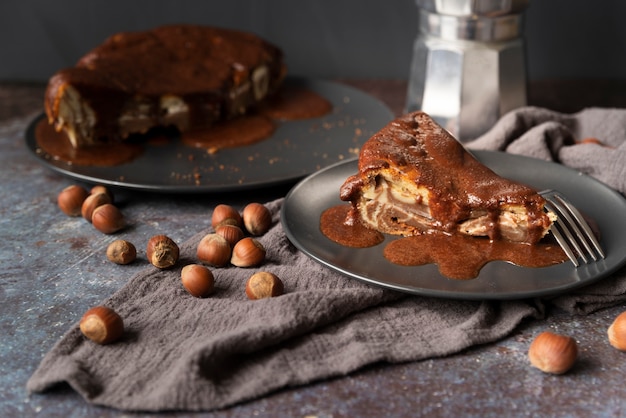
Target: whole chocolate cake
x,y
180,75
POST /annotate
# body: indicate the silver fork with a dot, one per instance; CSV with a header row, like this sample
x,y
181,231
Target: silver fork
x,y
571,230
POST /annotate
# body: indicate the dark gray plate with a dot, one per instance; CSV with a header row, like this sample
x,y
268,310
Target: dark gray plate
x,y
296,149
497,280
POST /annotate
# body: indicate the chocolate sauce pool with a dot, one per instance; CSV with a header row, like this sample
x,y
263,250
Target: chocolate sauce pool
x,y
290,103
457,256
338,224
58,145
245,130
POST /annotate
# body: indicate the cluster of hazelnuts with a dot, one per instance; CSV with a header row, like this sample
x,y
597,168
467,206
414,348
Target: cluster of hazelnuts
x,y
232,242
95,205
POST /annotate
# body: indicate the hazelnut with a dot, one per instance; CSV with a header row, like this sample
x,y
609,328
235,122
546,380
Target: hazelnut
x,y
162,251
232,233
225,214
214,249
198,280
617,332
248,252
102,325
263,285
70,200
91,203
553,353
257,218
107,218
121,252
102,189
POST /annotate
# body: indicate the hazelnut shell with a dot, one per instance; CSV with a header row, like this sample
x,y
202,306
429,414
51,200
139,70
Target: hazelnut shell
x,y
617,332
257,219
248,252
121,252
214,249
107,219
225,214
162,251
232,233
553,353
102,325
92,202
263,285
198,280
102,189
71,199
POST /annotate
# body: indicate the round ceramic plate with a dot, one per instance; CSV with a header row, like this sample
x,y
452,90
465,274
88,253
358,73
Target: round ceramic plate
x,y
305,203
296,149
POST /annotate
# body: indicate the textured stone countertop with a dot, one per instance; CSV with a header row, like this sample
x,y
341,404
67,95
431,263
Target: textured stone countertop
x,y
52,270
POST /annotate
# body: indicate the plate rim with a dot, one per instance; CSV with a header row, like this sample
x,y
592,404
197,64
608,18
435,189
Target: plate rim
x,y
480,154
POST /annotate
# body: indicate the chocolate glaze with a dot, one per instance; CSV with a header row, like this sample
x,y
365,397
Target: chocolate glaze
x,y
458,183
58,146
457,256
239,132
462,257
337,224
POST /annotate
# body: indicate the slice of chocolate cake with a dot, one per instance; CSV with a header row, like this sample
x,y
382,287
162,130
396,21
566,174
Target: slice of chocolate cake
x,y
181,75
414,177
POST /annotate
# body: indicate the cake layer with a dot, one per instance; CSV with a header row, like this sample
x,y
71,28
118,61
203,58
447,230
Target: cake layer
x,y
181,75
414,177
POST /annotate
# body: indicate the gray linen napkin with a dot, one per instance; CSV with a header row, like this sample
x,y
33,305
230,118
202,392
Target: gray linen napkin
x,y
552,136
183,353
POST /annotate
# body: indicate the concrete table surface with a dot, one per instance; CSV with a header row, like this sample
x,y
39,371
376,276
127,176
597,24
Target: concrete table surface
x,y
52,268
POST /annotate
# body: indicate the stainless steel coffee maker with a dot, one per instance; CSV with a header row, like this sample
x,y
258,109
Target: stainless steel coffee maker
x,y
468,65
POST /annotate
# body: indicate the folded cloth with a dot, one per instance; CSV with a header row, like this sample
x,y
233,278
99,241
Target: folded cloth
x,y
592,141
184,353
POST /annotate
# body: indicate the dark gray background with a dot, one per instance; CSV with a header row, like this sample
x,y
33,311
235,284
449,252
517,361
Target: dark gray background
x,y
321,38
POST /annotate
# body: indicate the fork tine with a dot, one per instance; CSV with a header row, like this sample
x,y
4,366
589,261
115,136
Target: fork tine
x,y
564,245
571,229
563,235
591,241
568,227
